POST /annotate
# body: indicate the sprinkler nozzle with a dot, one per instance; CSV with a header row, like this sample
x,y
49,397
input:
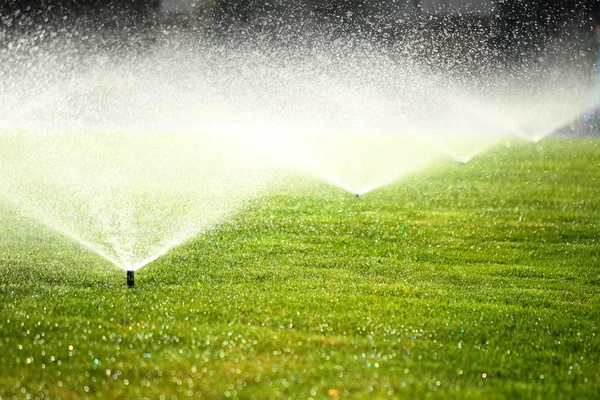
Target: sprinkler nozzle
x,y
356,196
130,275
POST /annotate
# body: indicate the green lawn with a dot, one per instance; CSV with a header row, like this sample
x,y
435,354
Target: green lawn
x,y
462,281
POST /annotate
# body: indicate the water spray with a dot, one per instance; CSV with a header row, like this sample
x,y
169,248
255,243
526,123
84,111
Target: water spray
x,y
130,279
305,105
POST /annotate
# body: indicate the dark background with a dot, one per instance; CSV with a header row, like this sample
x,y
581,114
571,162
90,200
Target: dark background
x,y
525,14
514,25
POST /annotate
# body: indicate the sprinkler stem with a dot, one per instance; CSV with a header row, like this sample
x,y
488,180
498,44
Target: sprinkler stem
x,y
130,279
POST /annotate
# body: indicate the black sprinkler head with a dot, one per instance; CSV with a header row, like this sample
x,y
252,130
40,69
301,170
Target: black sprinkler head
x,y
356,196
130,276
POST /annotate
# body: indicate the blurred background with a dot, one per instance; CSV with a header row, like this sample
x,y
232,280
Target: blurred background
x,y
498,27
510,22
448,34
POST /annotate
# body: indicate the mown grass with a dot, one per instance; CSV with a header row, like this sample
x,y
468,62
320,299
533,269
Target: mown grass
x,y
462,281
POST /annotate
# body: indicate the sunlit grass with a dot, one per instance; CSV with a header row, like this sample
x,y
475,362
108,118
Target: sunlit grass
x,y
465,281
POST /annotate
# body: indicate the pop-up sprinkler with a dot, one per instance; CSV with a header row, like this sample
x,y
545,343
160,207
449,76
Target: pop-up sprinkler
x,y
130,277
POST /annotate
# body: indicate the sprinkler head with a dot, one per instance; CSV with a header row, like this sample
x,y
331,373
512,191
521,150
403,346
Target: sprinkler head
x,y
130,276
356,196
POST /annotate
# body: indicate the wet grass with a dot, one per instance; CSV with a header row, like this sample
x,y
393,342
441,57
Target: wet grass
x,y
463,281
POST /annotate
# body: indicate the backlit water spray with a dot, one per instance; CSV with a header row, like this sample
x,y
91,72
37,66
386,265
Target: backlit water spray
x,y
131,154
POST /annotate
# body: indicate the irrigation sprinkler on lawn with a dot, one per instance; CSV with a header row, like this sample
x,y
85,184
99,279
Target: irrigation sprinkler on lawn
x,y
130,277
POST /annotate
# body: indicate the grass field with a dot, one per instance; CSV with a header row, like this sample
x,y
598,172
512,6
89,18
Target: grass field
x,y
462,281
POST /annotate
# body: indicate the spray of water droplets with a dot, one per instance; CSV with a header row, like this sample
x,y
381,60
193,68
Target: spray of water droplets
x,y
133,152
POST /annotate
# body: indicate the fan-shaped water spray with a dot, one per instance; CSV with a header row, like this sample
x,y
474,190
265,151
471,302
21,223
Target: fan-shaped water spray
x,y
133,154
128,197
